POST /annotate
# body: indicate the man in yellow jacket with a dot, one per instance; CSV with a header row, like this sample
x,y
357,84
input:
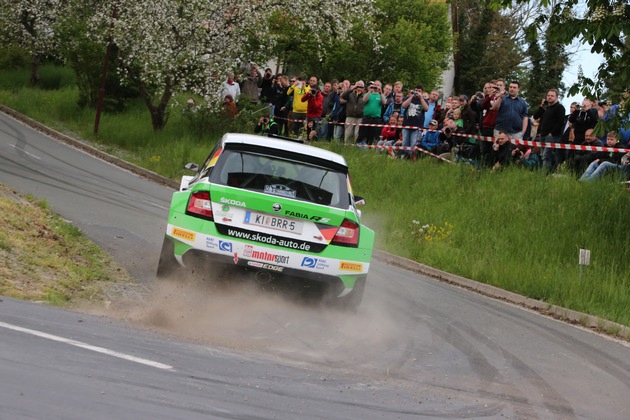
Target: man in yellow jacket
x,y
296,91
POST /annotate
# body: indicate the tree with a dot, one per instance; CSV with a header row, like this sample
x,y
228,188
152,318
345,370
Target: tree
x,y
605,26
413,45
490,46
31,24
169,46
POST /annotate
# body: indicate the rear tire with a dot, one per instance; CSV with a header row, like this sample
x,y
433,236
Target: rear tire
x,y
167,265
352,300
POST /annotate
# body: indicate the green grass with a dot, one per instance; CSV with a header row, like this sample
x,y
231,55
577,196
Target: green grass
x,y
514,229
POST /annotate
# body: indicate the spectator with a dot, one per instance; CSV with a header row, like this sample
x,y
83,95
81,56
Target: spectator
x,y
191,107
335,130
315,101
341,113
229,106
528,157
431,138
501,151
447,140
608,161
512,116
433,112
583,158
298,115
251,84
389,133
415,106
280,111
353,98
373,100
469,117
388,91
582,119
323,131
266,87
230,87
396,106
457,117
489,115
551,119
266,126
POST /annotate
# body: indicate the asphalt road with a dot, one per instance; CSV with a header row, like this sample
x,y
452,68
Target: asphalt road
x,y
417,348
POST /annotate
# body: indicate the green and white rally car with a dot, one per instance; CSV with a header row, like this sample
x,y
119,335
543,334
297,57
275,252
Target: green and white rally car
x,y
275,208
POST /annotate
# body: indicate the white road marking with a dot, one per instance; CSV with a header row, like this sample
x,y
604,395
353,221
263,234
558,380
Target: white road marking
x,y
88,347
24,151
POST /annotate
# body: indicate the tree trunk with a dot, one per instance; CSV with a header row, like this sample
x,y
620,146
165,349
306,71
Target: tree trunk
x,y
159,114
35,70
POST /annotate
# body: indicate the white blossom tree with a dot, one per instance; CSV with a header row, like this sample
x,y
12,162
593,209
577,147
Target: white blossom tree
x,y
169,46
30,23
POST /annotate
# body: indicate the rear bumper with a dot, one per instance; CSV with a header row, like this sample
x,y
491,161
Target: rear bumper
x,y
204,252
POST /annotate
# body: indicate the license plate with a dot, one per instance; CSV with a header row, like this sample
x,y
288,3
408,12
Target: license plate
x,y
274,222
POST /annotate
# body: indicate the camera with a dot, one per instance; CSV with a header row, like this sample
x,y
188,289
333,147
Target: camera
x,y
414,92
448,130
265,120
518,153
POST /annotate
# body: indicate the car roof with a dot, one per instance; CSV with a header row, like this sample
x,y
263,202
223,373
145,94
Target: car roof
x,y
284,145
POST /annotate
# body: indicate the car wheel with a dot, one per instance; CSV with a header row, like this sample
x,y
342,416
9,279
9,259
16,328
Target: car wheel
x,y
167,265
352,300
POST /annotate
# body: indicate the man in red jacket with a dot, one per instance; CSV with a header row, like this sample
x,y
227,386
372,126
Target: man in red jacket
x,y
315,107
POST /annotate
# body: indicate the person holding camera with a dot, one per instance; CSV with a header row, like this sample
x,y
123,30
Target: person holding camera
x,y
512,115
489,115
415,106
296,92
353,98
550,115
252,84
373,100
266,126
315,105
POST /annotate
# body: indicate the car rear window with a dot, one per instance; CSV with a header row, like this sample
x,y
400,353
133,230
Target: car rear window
x,y
281,177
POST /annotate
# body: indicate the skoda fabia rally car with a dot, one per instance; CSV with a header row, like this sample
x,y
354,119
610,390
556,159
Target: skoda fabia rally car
x,y
274,208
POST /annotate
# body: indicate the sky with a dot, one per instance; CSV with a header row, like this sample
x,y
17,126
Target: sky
x,y
589,61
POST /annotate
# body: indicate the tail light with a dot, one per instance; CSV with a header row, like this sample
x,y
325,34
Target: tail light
x,y
199,204
347,234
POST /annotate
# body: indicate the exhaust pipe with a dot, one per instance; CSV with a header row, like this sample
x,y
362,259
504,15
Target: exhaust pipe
x,y
263,277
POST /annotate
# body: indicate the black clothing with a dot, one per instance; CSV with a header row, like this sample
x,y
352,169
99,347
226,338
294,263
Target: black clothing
x,y
552,120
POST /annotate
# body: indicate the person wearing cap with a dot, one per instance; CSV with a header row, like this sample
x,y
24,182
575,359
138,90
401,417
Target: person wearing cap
x,y
512,115
431,138
415,106
353,98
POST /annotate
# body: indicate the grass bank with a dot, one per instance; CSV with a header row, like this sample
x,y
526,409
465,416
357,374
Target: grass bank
x,y
514,229
43,258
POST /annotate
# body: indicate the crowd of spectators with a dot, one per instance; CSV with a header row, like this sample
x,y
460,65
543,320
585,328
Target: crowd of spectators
x,y
476,129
